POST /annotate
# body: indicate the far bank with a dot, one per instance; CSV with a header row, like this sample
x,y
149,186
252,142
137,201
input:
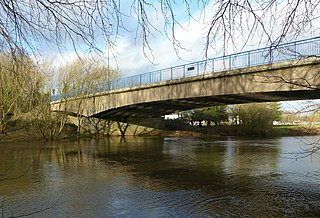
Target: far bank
x,y
22,131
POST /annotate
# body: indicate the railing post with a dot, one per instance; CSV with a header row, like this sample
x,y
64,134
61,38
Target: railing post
x,y
184,71
229,62
213,65
140,79
198,70
249,59
160,76
295,50
171,73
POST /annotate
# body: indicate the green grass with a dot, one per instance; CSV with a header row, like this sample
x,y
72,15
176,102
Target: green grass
x,y
296,130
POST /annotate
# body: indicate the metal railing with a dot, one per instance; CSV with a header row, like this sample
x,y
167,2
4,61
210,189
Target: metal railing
x,y
287,51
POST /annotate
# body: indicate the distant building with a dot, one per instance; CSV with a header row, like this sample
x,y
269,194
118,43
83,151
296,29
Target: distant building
x,y
172,116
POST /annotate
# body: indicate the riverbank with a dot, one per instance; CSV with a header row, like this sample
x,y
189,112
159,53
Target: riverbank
x,y
28,131
32,133
297,130
275,131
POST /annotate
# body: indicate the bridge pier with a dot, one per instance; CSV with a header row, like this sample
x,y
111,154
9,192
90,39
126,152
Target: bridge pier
x,y
123,131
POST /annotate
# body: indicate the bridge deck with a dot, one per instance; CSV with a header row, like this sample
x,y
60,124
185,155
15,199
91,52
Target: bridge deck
x,y
283,52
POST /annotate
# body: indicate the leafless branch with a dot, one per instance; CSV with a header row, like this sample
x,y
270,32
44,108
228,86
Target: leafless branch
x,y
307,149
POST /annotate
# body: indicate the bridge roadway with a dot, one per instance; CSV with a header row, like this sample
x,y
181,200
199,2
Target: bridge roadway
x,y
289,80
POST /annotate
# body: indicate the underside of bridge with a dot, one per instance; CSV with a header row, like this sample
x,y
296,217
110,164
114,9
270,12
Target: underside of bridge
x,y
160,108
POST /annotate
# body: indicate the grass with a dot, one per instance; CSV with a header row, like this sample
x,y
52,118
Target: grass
x,y
297,130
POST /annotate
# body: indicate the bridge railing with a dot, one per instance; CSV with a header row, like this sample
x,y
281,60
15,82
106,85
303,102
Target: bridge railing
x,y
282,52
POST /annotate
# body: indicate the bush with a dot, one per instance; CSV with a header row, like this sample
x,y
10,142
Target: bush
x,y
257,118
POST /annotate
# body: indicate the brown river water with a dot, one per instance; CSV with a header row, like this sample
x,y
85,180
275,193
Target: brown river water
x,y
160,177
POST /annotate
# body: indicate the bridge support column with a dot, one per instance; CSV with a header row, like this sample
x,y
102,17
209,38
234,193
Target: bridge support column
x,y
123,131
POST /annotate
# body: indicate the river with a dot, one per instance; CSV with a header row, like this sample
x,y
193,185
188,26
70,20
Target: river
x,y
160,177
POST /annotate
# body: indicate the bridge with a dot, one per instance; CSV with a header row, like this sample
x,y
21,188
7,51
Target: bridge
x,y
290,71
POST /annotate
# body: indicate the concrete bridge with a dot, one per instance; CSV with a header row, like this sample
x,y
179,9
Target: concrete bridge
x,y
287,80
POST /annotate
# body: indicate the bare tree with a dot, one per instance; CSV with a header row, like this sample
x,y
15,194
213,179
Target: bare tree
x,y
48,123
83,77
270,22
20,83
87,25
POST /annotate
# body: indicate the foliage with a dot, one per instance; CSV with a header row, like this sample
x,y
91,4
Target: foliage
x,y
257,118
215,114
176,124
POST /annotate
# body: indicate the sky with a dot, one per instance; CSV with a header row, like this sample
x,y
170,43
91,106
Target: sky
x,y
127,53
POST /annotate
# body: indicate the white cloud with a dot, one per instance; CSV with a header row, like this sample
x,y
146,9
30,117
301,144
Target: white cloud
x,y
132,60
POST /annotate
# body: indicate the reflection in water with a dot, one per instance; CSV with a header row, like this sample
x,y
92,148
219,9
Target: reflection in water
x,y
156,177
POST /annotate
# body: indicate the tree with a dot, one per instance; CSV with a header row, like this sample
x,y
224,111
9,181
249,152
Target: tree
x,y
83,77
257,118
36,23
273,21
276,111
20,84
198,116
216,114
